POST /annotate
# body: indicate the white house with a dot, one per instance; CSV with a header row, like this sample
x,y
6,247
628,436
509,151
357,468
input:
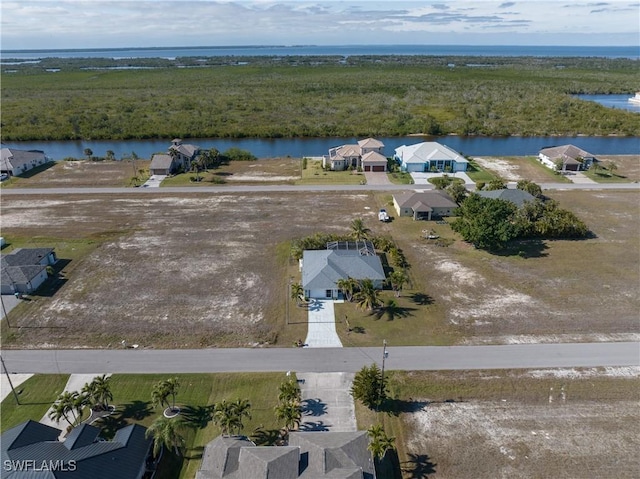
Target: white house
x,y
183,153
572,157
429,156
25,269
16,162
352,156
322,269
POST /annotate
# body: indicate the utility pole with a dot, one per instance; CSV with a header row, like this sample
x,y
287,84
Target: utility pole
x,y
4,368
385,354
4,312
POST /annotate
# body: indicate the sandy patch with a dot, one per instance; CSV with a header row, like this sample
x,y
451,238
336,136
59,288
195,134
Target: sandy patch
x,y
506,170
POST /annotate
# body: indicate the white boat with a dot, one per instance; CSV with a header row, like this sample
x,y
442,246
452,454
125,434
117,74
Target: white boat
x,y
635,99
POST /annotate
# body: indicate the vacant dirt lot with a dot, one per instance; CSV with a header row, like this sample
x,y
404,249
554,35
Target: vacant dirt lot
x,y
548,423
514,168
211,269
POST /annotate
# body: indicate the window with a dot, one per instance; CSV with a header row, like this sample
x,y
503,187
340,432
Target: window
x,y
329,293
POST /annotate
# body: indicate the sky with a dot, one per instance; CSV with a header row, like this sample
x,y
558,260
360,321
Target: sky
x,y
57,24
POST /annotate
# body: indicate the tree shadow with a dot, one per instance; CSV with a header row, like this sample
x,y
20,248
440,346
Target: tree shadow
x,y
392,311
314,426
313,407
55,282
223,173
266,437
194,453
422,299
418,466
530,248
197,417
38,169
395,406
389,466
137,410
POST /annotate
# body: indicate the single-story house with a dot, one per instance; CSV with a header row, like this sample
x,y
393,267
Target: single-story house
x,y
429,156
322,269
517,197
572,157
352,156
15,162
163,164
25,269
32,450
426,205
310,455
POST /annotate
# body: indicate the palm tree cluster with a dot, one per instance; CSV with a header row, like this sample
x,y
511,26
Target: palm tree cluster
x,y
69,404
162,391
229,415
289,408
166,433
379,442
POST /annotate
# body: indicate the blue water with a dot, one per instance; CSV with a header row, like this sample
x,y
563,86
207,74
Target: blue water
x,y
300,147
342,50
620,102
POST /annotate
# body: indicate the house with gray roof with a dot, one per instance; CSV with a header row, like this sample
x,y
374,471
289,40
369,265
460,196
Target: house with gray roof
x,y
429,156
32,450
309,455
322,269
183,153
426,205
25,269
517,197
572,158
162,164
14,162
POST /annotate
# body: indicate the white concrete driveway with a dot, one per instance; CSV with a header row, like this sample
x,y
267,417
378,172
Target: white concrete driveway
x,y
422,178
327,404
322,325
154,181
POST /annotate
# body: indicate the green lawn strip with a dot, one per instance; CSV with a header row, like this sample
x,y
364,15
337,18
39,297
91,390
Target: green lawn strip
x,y
414,390
36,395
604,176
553,176
400,178
416,320
197,392
314,174
476,173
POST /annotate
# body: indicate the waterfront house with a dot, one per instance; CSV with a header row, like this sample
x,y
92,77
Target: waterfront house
x,y
572,158
429,156
366,154
179,158
15,162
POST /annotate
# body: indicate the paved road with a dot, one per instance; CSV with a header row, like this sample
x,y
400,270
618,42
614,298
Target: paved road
x,y
80,361
281,188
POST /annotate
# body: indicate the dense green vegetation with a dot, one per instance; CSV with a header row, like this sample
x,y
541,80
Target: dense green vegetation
x,y
313,97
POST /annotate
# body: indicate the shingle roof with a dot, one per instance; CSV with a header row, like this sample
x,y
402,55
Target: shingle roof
x,y
12,158
26,256
123,457
220,457
566,152
20,274
322,269
517,197
185,149
425,201
161,161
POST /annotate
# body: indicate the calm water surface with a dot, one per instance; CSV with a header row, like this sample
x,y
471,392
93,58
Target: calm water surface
x,y
620,102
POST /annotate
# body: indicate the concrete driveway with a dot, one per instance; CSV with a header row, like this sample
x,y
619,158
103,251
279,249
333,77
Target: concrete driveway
x,y
422,178
377,178
154,181
322,325
327,404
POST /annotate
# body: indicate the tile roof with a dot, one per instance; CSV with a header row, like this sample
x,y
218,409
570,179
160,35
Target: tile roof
x,y
428,151
567,152
374,157
370,143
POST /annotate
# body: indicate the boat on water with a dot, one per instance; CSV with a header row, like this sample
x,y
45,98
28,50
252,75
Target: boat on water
x,y
635,99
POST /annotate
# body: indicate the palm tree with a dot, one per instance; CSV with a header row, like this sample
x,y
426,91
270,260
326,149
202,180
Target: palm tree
x,y
367,297
289,392
358,230
58,411
162,391
348,287
172,386
242,409
165,432
102,390
68,403
90,393
297,292
195,166
397,280
379,442
224,416
290,413
110,155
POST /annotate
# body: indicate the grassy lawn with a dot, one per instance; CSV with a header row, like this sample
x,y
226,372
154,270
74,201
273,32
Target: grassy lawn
x,y
36,396
313,174
476,173
132,398
517,402
605,176
400,178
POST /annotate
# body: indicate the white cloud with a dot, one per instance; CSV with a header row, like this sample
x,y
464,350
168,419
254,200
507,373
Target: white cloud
x,y
82,23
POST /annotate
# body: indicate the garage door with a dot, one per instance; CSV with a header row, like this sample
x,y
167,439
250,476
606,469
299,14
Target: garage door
x,y
367,168
378,168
